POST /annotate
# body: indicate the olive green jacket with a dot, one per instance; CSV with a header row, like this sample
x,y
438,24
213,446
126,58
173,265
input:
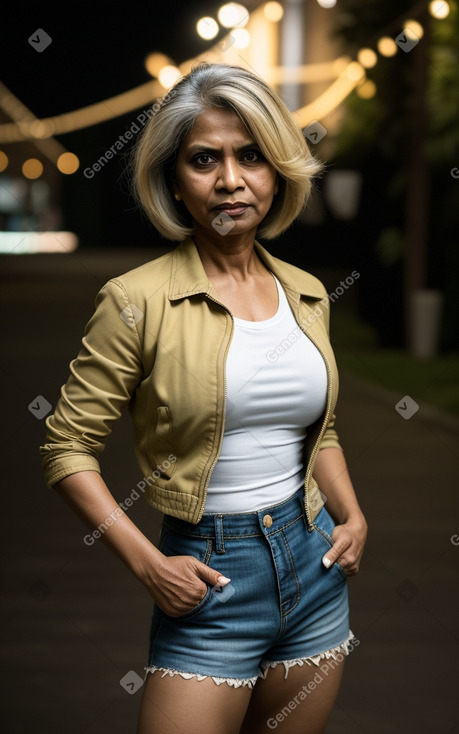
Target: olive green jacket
x,y
157,343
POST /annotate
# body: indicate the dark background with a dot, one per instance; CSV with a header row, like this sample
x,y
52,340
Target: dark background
x,y
73,620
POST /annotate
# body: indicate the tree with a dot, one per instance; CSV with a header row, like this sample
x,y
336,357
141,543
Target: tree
x,y
405,142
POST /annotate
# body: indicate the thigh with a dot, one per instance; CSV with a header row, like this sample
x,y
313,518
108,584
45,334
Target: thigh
x,y
298,704
174,705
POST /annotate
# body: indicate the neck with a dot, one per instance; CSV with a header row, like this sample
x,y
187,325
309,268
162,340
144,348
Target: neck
x,y
233,255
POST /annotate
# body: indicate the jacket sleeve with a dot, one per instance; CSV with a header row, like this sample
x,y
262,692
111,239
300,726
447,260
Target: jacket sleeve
x,y
330,438
102,380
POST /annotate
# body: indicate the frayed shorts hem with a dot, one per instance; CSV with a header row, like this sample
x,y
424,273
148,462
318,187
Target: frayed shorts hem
x,y
336,653
234,682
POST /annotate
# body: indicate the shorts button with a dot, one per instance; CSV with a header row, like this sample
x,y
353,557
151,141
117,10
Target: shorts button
x,y
267,521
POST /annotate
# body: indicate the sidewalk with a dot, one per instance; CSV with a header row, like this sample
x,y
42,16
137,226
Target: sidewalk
x,y
74,622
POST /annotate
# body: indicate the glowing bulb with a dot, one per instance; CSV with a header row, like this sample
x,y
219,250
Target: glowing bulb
x,y
367,58
155,62
207,28
412,26
32,168
68,163
168,75
355,71
387,46
41,129
367,90
327,3
241,38
3,160
273,11
340,64
439,9
233,15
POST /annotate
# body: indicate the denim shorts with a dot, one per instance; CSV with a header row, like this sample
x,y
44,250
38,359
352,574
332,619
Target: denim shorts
x,y
282,605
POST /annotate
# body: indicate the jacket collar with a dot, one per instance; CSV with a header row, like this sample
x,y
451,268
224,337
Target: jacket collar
x,y
188,277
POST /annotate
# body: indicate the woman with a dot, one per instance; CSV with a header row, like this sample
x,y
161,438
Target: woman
x,y
221,352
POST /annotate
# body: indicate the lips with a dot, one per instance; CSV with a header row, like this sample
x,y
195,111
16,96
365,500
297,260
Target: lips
x,y
233,209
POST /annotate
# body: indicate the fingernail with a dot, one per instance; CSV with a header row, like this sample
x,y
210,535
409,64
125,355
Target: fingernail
x,y
222,580
326,561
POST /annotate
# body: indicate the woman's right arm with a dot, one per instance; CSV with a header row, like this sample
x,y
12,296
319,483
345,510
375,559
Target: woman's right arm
x,y
176,583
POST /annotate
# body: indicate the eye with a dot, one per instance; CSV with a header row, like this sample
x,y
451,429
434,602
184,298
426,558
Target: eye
x,y
252,156
202,159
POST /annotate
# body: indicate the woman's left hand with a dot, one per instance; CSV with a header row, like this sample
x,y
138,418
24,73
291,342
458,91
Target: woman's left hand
x,y
349,541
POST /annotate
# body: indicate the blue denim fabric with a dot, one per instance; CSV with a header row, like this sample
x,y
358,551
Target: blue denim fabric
x,y
282,603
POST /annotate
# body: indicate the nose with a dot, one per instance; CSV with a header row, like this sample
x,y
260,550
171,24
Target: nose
x,y
229,175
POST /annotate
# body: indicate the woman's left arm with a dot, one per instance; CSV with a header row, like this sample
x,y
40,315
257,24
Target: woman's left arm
x,y
349,535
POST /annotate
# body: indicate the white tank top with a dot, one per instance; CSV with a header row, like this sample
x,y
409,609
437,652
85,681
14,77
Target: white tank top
x,y
276,386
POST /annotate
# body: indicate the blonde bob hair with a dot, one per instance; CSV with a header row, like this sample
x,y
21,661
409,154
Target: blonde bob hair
x,y
266,117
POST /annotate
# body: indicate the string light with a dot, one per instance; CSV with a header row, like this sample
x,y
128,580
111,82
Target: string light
x,y
367,90
412,26
3,161
367,57
233,15
355,71
387,46
168,75
348,75
273,12
240,37
32,168
439,9
155,62
68,163
207,28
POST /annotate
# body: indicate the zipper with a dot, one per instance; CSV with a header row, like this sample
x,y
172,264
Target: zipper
x,y
321,433
323,427
222,431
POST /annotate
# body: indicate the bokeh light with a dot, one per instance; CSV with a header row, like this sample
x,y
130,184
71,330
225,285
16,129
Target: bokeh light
x,y
414,27
273,12
340,64
387,46
32,168
168,75
233,15
355,71
367,57
68,163
241,38
439,9
367,90
155,62
207,28
3,161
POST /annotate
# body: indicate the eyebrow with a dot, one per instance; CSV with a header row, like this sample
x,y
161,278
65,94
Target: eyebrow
x,y
203,148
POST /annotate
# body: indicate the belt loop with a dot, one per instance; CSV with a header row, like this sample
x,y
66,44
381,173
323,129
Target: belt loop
x,y
219,537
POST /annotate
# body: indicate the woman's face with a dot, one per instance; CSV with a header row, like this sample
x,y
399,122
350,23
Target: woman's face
x,y
223,180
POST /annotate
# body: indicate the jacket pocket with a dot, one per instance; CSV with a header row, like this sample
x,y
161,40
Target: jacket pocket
x,y
163,445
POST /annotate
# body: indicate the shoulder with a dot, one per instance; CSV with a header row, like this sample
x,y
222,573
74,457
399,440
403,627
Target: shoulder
x,y
144,280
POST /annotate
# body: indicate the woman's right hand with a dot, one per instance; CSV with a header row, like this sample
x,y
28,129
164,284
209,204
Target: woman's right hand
x,y
179,583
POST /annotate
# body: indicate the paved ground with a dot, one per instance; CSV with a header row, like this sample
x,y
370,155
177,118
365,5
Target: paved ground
x,y
74,622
